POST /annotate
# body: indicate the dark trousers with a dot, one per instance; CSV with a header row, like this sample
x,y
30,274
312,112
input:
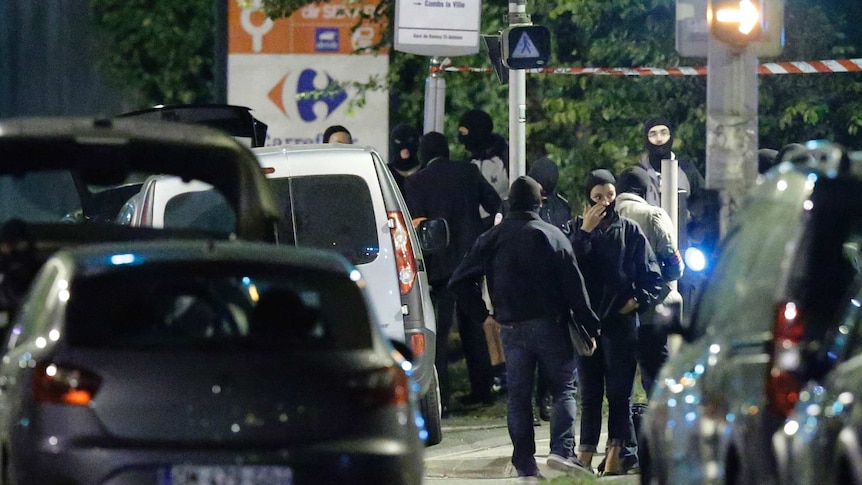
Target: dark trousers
x,y
473,341
544,343
652,351
609,371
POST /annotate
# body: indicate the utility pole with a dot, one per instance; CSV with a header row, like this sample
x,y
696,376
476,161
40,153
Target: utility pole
x,y
731,125
517,101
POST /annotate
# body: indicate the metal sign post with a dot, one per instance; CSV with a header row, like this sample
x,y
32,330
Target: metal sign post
x,y
517,102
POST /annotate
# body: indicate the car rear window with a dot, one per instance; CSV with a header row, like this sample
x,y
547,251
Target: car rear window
x,y
217,307
329,212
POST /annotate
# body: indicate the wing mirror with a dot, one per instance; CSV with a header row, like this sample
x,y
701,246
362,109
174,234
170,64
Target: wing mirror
x,y
433,234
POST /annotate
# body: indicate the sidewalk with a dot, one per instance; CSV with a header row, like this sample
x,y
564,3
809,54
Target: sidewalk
x,y
478,450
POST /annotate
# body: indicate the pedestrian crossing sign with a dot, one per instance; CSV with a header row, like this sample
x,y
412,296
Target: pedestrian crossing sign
x,y
526,46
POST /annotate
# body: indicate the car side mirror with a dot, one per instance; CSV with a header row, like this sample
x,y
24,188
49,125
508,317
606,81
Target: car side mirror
x,y
433,234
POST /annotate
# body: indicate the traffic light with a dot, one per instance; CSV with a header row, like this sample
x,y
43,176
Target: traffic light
x,y
748,22
737,22
526,46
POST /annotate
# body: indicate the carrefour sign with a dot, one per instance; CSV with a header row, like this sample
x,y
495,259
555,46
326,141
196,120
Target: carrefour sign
x,y
296,73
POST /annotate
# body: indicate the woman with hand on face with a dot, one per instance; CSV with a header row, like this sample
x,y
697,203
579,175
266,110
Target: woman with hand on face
x,y
622,279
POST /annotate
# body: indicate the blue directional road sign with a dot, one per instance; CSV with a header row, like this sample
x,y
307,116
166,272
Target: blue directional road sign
x,y
526,46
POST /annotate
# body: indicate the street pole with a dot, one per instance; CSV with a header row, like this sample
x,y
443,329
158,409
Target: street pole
x,y
517,102
731,124
435,98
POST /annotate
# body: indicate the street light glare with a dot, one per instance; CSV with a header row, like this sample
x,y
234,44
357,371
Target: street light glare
x,y
746,16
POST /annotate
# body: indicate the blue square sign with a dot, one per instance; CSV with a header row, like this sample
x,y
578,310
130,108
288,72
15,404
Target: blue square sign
x,y
326,39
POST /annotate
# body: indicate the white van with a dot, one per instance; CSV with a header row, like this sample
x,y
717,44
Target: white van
x,y
339,197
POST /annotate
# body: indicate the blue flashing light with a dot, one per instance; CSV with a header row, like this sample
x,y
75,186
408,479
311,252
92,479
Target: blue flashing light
x,y
695,259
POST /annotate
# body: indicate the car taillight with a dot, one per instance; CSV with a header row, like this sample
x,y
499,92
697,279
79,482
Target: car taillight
x,y
388,386
53,383
417,344
404,260
782,387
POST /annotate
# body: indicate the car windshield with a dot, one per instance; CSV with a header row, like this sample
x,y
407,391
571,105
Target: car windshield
x,y
217,307
329,212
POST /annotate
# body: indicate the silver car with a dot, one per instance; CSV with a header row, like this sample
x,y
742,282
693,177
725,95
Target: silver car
x,y
203,362
342,198
773,294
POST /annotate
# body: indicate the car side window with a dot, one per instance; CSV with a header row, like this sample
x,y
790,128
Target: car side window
x,y
329,212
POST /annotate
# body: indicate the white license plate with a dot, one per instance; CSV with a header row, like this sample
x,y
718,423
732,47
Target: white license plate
x,y
226,475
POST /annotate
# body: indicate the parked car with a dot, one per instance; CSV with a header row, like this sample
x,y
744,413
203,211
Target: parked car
x,y
341,198
773,293
188,362
820,440
64,180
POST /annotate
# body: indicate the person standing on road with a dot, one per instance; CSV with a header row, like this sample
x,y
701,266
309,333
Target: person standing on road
x,y
488,151
403,153
556,211
623,279
658,140
659,231
533,281
454,191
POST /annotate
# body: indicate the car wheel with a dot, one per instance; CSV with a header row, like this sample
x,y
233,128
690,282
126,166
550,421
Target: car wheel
x,y
431,409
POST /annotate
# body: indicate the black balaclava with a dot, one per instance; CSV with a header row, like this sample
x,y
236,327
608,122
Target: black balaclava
x,y
480,127
658,152
404,136
634,180
432,145
600,176
546,172
525,195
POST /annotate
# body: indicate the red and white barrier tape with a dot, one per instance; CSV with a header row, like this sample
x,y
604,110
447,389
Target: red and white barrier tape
x,y
811,67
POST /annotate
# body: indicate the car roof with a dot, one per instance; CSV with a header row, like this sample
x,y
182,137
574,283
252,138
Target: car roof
x,y
94,258
313,147
95,147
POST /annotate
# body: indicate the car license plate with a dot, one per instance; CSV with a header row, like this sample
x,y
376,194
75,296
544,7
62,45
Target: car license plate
x,y
226,475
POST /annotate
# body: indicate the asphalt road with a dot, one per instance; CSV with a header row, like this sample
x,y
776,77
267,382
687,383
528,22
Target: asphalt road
x,y
477,451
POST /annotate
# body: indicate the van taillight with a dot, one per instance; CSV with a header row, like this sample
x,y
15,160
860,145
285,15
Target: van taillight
x,y
782,386
53,383
404,260
417,344
388,386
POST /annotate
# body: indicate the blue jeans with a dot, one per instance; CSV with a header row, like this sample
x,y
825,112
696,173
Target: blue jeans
x,y
610,370
546,343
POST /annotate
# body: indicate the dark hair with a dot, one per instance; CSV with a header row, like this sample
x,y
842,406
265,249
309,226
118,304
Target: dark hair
x,y
336,129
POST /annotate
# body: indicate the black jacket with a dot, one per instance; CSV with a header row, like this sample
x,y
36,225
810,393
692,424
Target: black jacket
x,y
617,263
531,270
452,190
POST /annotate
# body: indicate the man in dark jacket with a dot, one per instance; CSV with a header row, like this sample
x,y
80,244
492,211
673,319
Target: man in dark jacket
x,y
454,191
533,281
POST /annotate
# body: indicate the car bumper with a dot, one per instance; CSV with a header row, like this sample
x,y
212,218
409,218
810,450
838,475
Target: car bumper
x,y
372,460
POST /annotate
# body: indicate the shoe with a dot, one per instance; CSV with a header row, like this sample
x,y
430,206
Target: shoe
x,y
631,466
545,407
499,386
474,399
535,478
570,465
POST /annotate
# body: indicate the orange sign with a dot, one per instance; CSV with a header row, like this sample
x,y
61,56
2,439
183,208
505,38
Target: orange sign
x,y
325,28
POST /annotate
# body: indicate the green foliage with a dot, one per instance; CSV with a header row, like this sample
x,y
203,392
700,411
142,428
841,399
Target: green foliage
x,y
161,51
